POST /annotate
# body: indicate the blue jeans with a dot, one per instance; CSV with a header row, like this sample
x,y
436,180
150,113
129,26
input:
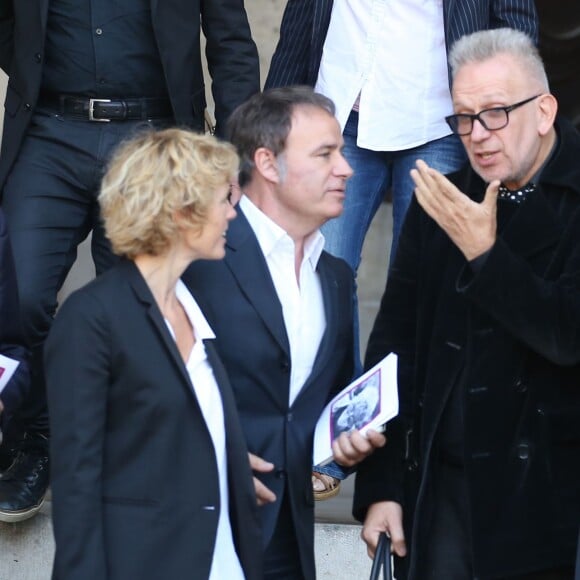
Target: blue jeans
x,y
374,173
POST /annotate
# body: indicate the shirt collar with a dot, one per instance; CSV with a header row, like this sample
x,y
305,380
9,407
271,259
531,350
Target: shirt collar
x,y
269,234
201,327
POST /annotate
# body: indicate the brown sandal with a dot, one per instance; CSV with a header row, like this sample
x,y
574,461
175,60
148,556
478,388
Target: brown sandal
x,y
324,486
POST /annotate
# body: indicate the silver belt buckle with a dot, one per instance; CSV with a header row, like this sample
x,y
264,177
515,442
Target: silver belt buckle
x,y
92,110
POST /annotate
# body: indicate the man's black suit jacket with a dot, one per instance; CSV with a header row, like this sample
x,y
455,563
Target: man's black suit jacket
x,y
240,301
134,476
511,331
231,54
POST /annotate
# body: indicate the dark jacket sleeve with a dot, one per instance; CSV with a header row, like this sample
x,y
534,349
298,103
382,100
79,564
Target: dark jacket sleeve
x,y
518,14
547,320
77,362
292,57
232,56
12,342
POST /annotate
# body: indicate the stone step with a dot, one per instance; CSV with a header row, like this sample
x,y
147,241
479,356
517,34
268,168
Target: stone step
x,y
27,549
340,553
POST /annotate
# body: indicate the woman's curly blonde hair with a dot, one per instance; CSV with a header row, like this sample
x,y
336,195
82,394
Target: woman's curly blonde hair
x,y
153,176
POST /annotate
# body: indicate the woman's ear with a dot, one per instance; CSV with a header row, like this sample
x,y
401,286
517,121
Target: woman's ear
x,y
179,218
182,219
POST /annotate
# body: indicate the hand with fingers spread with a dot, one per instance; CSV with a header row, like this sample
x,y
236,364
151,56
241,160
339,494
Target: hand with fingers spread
x,y
384,516
264,495
350,447
471,225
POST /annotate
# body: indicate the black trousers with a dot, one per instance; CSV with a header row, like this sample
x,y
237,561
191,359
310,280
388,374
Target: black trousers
x,y
50,202
282,557
449,555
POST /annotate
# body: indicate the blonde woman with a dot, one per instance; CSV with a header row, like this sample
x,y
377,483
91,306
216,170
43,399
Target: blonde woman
x,y
146,443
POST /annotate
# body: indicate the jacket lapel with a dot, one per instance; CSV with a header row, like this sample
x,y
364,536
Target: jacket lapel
x,y
330,297
247,263
329,285
145,296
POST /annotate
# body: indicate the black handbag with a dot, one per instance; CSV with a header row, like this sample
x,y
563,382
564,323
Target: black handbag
x,y
382,559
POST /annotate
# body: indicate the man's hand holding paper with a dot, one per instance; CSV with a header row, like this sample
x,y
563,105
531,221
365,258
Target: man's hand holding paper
x,y
350,447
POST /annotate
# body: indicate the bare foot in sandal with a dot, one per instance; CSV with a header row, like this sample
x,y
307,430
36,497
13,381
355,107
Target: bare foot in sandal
x,y
324,486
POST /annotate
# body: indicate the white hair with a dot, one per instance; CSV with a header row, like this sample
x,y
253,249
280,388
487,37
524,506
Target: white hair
x,y
486,44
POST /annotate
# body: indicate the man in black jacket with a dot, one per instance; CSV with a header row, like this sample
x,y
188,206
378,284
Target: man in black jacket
x,y
281,309
82,77
480,477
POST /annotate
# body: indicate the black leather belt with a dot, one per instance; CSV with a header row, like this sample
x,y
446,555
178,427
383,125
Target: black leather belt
x,y
106,110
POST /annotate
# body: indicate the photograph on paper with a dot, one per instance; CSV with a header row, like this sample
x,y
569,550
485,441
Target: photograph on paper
x,y
357,407
366,403
7,367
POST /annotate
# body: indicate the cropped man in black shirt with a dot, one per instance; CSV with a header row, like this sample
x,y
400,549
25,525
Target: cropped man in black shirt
x,y
84,75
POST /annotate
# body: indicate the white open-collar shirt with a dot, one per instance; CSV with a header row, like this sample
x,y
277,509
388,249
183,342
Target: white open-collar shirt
x,y
391,54
225,563
302,302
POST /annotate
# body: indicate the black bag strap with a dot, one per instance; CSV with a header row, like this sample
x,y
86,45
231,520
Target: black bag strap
x,y
382,559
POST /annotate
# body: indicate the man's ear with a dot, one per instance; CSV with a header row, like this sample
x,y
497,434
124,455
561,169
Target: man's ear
x,y
547,109
266,164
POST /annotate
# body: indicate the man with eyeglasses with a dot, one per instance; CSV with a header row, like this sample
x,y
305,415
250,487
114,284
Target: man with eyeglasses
x,y
384,64
480,478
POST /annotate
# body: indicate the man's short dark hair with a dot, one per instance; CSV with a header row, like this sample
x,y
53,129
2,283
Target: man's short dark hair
x,y
265,120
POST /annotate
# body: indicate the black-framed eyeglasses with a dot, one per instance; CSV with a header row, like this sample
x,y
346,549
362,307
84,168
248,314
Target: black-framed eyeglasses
x,y
491,119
